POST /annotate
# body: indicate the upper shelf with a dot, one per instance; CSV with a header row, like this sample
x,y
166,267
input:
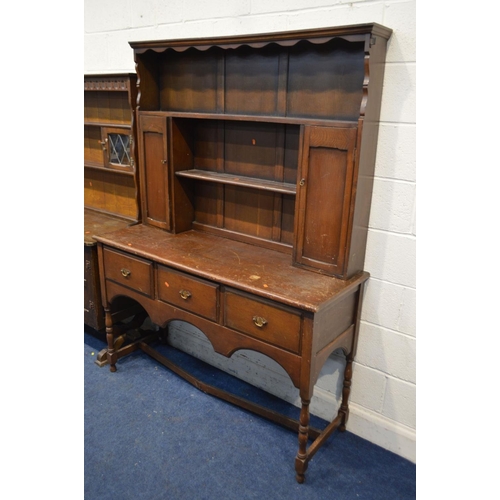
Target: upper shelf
x,y
238,180
290,120
317,79
109,123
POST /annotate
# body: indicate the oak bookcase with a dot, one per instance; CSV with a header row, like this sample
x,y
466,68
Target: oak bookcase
x,y
110,175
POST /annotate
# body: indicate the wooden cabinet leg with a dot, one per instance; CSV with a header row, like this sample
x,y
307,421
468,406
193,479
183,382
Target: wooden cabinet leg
x,y
301,461
110,338
344,406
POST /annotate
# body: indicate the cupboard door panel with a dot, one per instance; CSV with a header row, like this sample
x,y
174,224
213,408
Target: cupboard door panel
x,y
324,198
154,165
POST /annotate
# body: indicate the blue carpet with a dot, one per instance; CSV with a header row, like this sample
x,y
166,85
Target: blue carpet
x,y
151,435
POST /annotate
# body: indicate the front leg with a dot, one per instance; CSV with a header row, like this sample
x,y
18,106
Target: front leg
x,y
110,338
301,460
344,406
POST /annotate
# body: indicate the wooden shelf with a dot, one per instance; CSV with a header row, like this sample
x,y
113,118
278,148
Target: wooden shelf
x,y
237,180
96,166
107,124
291,120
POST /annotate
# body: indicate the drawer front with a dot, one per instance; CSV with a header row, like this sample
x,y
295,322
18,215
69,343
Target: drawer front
x,y
129,271
187,292
263,320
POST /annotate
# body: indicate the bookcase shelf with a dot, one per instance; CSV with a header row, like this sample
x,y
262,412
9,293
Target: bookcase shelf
x,y
249,182
254,118
125,126
117,170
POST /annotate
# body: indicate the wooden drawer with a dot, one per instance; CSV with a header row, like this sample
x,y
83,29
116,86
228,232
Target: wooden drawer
x,y
263,319
129,271
187,292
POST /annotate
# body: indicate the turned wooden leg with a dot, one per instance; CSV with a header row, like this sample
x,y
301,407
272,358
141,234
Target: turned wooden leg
x,y
344,407
301,460
110,338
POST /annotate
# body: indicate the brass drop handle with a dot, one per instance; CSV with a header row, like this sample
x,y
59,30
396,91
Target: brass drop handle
x,y
259,322
185,294
125,273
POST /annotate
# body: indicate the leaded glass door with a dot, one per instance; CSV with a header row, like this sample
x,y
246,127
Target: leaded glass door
x,y
116,144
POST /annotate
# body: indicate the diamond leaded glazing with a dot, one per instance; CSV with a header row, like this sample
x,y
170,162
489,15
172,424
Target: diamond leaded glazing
x,y
119,149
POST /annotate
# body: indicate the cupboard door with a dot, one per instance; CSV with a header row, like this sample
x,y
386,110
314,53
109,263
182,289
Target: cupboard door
x,y
324,199
116,147
155,188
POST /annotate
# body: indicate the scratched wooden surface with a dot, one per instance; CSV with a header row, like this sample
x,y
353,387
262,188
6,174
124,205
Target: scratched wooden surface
x,y
261,271
98,222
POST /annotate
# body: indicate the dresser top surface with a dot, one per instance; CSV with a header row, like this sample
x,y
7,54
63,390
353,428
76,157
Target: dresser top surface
x,y
259,271
95,222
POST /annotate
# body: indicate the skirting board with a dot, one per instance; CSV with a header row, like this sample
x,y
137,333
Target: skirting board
x,y
382,431
264,373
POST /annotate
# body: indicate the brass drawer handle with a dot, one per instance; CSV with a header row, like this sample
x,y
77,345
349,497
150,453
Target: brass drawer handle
x,y
185,294
260,322
125,273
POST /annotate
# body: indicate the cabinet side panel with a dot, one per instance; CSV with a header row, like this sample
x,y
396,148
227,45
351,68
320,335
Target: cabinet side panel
x,y
368,139
287,219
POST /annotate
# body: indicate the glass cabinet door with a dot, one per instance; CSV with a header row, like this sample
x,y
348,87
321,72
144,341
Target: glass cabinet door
x,y
116,145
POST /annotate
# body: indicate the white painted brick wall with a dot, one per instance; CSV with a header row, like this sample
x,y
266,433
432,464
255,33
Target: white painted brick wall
x,y
384,383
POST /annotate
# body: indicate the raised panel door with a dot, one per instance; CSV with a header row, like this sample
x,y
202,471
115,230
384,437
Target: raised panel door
x,y
155,187
324,198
